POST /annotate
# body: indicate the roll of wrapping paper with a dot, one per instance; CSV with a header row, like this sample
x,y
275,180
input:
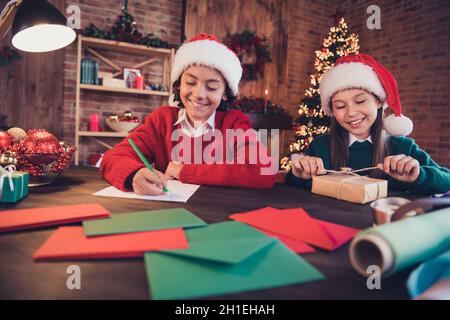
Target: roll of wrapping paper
x,y
401,244
431,280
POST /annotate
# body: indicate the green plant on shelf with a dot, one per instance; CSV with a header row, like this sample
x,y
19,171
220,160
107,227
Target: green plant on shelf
x,y
125,29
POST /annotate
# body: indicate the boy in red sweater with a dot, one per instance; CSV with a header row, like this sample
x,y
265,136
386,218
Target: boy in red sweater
x,y
194,143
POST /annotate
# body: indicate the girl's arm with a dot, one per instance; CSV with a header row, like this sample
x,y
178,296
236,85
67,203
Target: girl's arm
x,y
298,182
234,175
432,178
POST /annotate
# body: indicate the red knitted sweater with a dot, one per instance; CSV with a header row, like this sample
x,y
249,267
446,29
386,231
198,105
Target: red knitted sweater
x,y
154,139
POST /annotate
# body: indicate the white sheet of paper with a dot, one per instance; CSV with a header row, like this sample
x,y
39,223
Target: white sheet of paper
x,y
178,192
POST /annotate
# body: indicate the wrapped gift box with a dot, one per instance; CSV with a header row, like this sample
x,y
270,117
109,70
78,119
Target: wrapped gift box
x,y
114,83
20,190
356,189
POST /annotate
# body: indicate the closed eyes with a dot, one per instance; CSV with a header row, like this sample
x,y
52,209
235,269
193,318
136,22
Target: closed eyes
x,y
189,83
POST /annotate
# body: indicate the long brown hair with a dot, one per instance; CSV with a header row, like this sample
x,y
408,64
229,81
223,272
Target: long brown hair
x,y
339,140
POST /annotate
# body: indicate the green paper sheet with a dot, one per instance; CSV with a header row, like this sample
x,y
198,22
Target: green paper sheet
x,y
143,221
210,267
224,242
416,239
225,251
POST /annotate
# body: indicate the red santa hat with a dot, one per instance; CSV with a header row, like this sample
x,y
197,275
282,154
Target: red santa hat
x,y
207,50
361,71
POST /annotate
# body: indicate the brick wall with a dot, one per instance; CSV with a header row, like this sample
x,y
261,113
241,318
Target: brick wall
x,y
160,17
309,25
414,44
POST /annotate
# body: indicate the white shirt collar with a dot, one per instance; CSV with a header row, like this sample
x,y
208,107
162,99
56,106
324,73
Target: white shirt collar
x,y
352,139
189,130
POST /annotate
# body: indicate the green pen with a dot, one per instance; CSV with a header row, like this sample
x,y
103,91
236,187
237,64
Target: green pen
x,y
143,159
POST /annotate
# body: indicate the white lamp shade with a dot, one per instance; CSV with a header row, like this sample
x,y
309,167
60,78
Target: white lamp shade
x,y
43,38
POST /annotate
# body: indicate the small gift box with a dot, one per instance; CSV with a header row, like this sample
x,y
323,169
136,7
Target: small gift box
x,y
13,184
351,188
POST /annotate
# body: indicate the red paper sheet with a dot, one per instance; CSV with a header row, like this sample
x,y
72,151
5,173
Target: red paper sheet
x,y
71,243
295,245
297,225
11,220
339,234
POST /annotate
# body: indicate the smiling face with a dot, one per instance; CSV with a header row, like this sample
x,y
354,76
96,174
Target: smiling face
x,y
356,111
201,91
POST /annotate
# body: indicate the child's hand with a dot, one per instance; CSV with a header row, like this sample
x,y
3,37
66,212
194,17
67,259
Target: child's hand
x,y
401,167
307,167
173,170
147,182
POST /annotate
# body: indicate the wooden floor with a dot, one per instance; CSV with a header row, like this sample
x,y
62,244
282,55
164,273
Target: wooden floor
x,y
21,278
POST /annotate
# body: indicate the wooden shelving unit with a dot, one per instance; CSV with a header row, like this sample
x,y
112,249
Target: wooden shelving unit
x,y
124,90
91,45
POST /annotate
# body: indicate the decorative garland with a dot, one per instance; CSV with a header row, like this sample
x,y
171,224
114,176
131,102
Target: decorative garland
x,y
245,42
8,55
256,105
125,30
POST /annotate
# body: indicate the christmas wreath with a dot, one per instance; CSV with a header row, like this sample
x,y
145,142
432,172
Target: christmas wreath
x,y
252,50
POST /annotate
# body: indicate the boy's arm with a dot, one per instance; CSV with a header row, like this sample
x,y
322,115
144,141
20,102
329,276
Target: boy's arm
x,y
121,162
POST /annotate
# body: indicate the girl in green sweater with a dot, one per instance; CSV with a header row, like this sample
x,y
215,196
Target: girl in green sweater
x,y
357,92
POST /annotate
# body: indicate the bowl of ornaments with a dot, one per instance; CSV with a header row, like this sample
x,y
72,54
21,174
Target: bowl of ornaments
x,y
125,122
37,152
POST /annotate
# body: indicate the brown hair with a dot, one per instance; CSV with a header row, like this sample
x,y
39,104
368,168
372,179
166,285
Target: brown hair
x,y
339,140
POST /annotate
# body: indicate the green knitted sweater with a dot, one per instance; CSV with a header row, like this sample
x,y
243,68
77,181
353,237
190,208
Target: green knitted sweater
x,y
432,179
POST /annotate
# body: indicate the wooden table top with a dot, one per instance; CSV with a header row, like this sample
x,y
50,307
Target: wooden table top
x,y
22,278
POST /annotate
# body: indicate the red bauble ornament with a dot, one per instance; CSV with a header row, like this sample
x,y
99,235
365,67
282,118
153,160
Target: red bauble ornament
x,y
40,147
324,50
6,140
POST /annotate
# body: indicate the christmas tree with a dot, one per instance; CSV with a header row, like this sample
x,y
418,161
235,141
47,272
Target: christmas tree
x,y
312,120
125,29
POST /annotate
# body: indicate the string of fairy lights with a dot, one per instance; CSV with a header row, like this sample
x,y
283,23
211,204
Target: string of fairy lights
x,y
312,120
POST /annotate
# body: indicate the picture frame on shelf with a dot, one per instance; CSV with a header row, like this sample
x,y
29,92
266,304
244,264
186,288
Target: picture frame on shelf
x,y
129,75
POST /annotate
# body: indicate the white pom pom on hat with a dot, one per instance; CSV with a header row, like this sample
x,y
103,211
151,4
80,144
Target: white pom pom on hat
x,y
364,72
398,125
207,50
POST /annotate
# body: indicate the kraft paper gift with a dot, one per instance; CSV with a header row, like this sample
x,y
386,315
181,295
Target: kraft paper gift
x,y
351,188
